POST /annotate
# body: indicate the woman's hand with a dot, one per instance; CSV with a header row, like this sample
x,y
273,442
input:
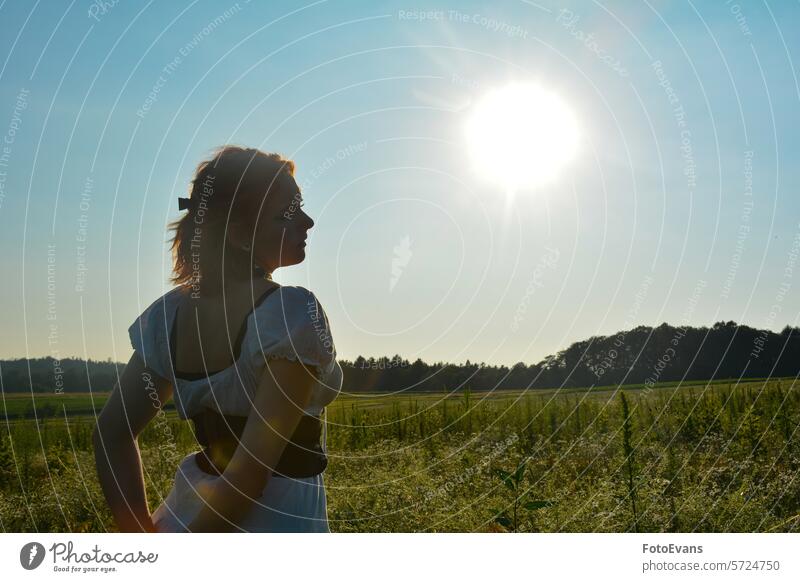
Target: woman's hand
x,y
150,526
144,525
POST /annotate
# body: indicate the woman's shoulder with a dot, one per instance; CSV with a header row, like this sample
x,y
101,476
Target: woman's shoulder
x,y
156,317
168,300
291,322
149,332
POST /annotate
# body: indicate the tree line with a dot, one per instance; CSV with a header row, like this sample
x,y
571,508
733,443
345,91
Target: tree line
x,y
642,355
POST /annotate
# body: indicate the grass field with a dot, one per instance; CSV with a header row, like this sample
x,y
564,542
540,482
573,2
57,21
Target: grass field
x,y
16,405
716,457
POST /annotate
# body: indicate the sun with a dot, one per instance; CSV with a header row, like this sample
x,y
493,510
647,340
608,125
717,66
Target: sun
x,y
521,135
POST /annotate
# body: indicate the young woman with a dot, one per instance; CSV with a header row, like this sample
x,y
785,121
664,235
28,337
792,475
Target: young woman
x,y
250,362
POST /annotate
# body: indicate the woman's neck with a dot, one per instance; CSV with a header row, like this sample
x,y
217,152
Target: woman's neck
x,y
234,290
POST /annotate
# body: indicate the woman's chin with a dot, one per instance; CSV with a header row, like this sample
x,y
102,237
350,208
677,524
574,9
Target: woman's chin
x,y
295,258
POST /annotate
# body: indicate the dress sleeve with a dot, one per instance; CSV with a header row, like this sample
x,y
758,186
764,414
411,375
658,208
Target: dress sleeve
x,y
147,334
292,325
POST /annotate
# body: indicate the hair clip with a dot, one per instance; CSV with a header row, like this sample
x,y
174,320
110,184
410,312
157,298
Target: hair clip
x,y
184,203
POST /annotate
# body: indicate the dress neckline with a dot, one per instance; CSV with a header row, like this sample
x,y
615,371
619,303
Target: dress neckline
x,y
237,348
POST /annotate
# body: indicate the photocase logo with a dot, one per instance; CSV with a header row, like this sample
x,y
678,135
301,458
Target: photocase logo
x,y
31,555
402,254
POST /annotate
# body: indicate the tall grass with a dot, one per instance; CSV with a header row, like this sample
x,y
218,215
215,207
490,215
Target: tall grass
x,y
722,457
628,455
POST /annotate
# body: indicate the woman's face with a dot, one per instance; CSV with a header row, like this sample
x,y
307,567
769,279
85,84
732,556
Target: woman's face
x,y
282,227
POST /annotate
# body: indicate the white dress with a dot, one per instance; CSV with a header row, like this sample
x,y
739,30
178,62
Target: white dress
x,y
289,323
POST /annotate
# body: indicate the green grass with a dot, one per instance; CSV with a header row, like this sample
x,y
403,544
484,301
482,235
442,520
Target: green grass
x,y
15,405
714,457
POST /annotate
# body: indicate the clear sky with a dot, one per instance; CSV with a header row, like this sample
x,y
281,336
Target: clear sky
x,y
680,206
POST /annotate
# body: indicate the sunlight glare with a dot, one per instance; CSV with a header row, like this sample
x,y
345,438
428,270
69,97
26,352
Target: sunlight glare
x,y
521,135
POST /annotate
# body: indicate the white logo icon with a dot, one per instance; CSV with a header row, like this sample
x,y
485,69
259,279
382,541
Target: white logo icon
x,y
402,254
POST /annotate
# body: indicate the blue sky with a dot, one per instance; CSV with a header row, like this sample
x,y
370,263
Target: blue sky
x,y
370,100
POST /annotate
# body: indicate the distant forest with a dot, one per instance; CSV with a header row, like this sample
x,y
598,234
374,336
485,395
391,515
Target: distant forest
x,y
643,355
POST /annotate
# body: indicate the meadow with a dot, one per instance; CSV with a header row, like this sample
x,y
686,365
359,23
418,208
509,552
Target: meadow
x,y
706,457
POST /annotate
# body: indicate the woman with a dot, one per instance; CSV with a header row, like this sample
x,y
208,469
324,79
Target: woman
x,y
250,362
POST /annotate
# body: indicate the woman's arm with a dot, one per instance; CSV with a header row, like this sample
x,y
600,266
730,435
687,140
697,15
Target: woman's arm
x,y
282,395
135,400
